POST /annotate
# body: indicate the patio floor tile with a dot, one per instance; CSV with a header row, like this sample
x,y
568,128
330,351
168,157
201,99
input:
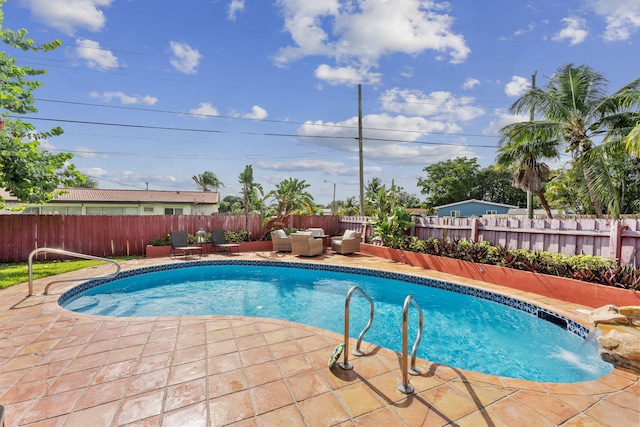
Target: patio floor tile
x,y
59,368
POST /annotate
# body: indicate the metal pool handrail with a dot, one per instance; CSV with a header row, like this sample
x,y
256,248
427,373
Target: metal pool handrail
x,y
63,252
404,386
345,363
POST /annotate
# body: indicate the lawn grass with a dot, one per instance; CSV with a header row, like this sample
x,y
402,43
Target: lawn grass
x,y
13,273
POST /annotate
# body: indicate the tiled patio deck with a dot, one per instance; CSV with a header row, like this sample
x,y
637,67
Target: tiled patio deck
x,y
59,368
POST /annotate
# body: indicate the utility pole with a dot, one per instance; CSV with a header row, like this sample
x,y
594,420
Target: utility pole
x,y
531,118
360,149
333,203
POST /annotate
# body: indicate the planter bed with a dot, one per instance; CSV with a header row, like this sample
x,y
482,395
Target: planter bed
x,y
571,290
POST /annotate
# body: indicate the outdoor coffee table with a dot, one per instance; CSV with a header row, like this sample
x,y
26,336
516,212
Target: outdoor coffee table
x,y
230,247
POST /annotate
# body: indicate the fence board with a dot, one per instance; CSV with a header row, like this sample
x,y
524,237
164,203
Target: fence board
x,y
129,235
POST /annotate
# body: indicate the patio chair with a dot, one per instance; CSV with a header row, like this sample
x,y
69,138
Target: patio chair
x,y
348,243
180,245
304,244
219,243
281,242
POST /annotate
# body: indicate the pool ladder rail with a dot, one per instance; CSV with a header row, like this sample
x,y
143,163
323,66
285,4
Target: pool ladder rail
x,y
404,386
357,352
69,253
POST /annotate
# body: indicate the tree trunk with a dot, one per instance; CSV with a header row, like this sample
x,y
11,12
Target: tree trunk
x,y
592,195
545,204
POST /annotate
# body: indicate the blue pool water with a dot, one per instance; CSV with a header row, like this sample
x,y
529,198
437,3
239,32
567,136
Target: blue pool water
x,y
460,330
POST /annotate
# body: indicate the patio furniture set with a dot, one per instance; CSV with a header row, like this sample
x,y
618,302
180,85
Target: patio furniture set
x,y
314,242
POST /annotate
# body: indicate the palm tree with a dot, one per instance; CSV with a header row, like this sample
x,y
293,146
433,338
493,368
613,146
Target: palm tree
x,y
349,208
633,140
575,111
291,195
251,191
525,156
207,181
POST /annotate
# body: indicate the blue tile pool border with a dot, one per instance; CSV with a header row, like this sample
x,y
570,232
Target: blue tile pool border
x,y
532,309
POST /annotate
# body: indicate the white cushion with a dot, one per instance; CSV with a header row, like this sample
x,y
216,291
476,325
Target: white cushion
x,y
349,234
281,233
316,231
303,233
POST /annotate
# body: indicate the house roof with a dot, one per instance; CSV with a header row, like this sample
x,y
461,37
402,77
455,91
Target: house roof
x,y
129,196
484,202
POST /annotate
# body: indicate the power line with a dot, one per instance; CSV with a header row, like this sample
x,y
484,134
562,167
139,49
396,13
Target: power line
x,y
287,122
272,134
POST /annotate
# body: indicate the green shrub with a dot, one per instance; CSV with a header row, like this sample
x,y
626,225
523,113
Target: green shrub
x,y
161,241
595,269
240,236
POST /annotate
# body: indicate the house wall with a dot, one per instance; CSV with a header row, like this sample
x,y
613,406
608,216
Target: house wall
x,y
109,209
472,209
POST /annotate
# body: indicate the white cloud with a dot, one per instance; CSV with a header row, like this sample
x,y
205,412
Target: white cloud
x,y
124,98
94,55
440,105
470,83
257,113
622,17
388,139
362,34
517,86
407,72
185,58
346,75
502,119
523,31
88,153
235,6
130,178
301,165
204,110
67,15
574,31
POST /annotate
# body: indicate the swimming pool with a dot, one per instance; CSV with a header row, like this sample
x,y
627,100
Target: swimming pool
x,y
464,327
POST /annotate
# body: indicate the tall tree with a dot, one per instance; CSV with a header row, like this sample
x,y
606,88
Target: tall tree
x,y
449,181
575,111
207,181
231,205
27,172
526,157
351,207
289,196
251,191
88,182
495,185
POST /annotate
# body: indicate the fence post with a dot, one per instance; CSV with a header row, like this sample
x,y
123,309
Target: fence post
x,y
615,240
475,226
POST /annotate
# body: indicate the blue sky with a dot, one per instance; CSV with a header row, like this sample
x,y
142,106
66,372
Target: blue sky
x,y
153,92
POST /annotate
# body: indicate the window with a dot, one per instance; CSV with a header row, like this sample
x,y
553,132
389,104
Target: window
x,y
492,212
53,210
148,209
74,210
173,211
455,214
31,210
112,211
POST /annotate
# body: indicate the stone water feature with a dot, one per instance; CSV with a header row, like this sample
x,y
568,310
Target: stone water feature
x,y
620,339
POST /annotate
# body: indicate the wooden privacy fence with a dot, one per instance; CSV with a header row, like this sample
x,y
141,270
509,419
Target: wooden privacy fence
x,y
128,235
104,236
600,237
